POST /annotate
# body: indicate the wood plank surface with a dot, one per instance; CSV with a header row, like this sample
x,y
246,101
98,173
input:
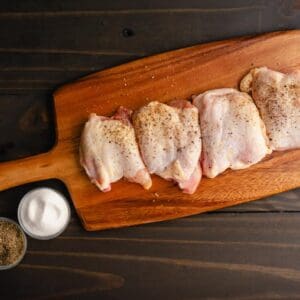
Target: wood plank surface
x,y
250,255
28,77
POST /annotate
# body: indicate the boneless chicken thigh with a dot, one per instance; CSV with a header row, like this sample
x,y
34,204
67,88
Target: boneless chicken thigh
x,y
277,97
109,151
233,135
170,141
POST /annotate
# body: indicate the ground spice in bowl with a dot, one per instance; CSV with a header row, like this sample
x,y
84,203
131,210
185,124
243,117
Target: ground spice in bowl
x,y
12,243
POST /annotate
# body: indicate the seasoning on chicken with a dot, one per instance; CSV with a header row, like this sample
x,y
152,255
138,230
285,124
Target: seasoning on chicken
x,y
109,151
277,97
233,135
170,141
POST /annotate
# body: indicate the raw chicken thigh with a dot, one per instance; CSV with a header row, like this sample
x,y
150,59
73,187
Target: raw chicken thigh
x,y
277,97
109,151
233,135
170,141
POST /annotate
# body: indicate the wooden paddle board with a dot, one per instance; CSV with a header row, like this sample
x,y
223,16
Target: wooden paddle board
x,y
173,75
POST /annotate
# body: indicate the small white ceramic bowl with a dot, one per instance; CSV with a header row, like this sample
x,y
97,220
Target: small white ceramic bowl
x,y
38,237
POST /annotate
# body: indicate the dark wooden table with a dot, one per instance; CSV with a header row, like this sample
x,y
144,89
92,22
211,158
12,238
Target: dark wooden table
x,y
250,251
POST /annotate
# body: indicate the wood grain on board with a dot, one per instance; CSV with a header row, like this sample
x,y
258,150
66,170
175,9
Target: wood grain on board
x,y
171,75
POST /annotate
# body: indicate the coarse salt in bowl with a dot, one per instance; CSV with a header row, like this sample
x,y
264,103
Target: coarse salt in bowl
x,y
43,213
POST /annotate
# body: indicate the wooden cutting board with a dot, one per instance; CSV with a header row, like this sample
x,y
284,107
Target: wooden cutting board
x,y
173,75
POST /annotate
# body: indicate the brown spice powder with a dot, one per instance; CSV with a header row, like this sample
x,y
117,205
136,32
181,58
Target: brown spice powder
x,y
11,243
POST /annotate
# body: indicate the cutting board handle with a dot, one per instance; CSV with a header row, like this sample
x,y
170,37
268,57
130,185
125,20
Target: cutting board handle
x,y
34,168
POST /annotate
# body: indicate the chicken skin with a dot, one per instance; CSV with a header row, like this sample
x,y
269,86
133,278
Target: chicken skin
x,y
170,141
180,141
109,151
233,135
277,97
